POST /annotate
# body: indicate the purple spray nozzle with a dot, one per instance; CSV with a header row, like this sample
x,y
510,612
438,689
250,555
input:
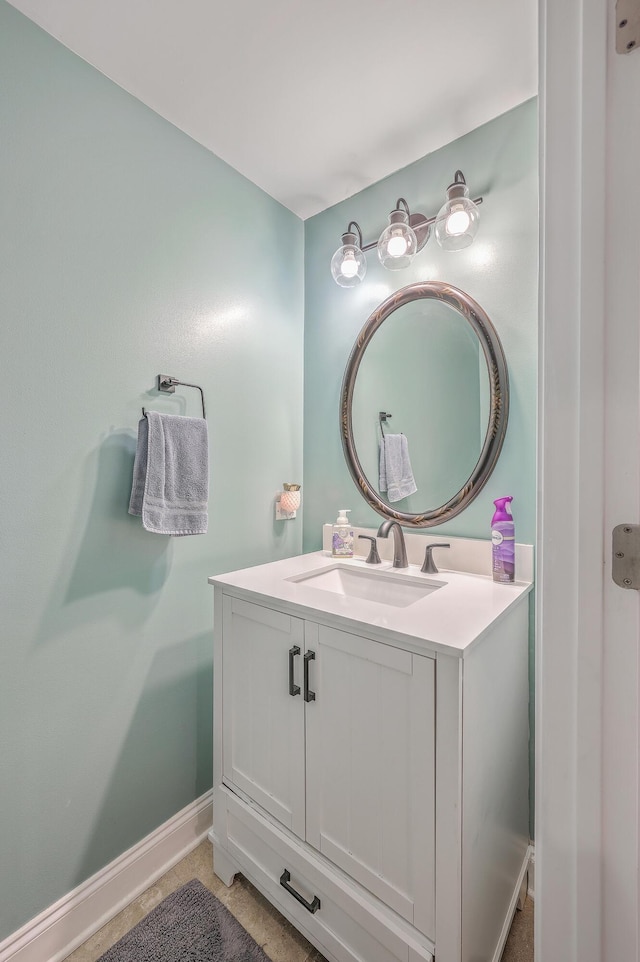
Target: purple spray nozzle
x,y
502,511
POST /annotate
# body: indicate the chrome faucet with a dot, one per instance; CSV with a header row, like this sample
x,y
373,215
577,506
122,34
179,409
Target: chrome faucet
x,y
399,547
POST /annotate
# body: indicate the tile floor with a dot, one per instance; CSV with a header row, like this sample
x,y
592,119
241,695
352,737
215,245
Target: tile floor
x,y
280,941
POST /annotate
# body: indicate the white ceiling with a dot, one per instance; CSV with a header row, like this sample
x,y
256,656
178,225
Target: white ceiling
x,y
310,99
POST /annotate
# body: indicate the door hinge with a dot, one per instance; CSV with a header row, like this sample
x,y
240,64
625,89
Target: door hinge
x,y
627,25
625,564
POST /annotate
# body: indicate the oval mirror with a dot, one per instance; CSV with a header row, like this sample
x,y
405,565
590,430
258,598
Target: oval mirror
x,y
428,364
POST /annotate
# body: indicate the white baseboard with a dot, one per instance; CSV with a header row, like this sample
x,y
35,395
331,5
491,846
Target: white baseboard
x,y
532,874
69,922
522,879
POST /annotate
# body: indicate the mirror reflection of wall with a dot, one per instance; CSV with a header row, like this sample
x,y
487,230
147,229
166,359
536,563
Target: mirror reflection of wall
x,y
425,365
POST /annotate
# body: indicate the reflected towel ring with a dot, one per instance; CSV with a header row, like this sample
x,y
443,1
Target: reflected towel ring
x,y
382,416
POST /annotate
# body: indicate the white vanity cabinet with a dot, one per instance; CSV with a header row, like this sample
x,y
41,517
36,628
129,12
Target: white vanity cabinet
x,y
333,735
373,787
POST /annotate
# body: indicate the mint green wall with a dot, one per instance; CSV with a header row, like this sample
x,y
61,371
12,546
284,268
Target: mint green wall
x,y
499,270
127,250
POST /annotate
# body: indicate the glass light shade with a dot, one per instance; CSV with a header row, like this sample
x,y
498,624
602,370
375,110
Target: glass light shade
x,y
458,220
398,244
348,264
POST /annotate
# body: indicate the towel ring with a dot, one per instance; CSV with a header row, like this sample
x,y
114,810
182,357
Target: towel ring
x,y
167,385
382,416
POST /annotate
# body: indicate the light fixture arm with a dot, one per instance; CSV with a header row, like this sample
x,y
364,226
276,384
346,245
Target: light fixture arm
x,y
354,223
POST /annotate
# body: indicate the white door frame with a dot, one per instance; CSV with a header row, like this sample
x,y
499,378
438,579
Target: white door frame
x,y
571,848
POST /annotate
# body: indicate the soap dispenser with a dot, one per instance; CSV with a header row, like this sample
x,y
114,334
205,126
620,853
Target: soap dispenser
x,y
342,536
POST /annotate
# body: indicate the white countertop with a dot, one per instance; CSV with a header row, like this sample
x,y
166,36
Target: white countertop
x,y
450,619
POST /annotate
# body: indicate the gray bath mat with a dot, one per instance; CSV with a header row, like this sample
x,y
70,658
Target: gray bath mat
x,y
190,925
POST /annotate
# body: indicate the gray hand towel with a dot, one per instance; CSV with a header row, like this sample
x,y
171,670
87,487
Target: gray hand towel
x,y
171,474
396,475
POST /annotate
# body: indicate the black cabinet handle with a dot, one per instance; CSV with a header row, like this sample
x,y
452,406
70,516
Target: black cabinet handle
x,y
293,689
308,694
312,907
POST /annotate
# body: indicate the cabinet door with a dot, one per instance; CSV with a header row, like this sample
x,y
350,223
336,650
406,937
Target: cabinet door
x,y
371,767
263,723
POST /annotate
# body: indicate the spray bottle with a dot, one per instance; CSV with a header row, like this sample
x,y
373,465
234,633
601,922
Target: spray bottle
x,y
503,539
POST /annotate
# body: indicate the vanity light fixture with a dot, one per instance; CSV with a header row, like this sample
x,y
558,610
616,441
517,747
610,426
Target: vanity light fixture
x,y
456,225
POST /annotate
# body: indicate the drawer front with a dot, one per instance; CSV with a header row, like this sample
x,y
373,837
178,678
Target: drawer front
x,y
346,925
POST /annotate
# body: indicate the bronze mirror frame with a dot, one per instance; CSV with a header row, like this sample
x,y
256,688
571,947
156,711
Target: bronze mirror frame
x,y
499,401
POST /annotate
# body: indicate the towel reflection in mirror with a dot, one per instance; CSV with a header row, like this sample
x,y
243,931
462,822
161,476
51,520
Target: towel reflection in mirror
x,y
396,474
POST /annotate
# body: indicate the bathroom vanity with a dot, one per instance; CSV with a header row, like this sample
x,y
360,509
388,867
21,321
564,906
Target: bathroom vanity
x,y
371,754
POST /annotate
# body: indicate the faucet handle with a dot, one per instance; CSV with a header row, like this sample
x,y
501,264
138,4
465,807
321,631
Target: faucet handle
x,y
374,557
429,565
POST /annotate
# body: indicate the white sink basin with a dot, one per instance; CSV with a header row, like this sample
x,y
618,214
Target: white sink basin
x,y
383,587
